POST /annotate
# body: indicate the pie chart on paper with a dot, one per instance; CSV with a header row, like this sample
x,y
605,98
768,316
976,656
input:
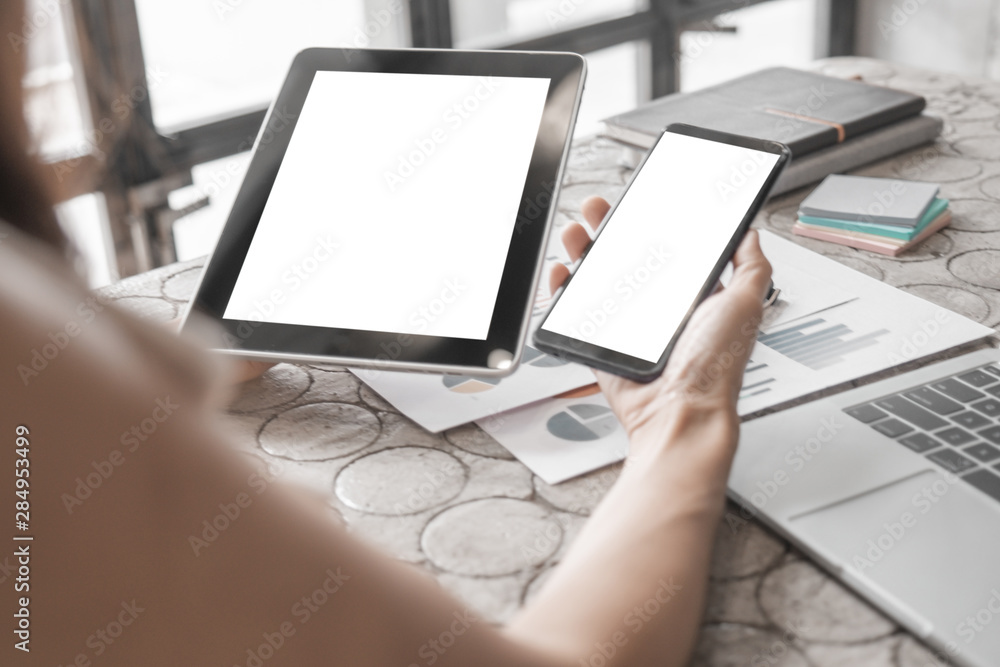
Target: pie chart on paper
x,y
583,422
462,384
533,357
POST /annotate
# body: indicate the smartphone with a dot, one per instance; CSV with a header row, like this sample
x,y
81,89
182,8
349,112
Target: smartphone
x,y
660,250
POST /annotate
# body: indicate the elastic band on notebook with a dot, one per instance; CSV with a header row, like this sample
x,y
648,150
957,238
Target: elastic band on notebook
x,y
841,133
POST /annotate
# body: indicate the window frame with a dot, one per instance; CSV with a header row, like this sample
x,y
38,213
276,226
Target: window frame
x,y
145,164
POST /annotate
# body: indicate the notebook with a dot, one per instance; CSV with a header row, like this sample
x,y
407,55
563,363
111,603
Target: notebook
x,y
881,201
871,242
903,234
803,110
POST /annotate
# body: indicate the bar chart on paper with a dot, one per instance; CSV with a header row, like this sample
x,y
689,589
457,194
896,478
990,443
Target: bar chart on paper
x,y
819,344
756,380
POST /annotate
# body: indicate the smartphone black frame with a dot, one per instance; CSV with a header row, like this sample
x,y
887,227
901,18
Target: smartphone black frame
x,y
626,365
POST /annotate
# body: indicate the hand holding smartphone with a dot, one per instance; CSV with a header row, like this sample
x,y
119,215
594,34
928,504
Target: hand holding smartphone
x,y
660,250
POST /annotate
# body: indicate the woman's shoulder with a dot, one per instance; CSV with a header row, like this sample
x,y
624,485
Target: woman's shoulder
x,y
34,283
49,313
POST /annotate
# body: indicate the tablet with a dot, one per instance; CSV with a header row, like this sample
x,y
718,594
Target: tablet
x,y
395,210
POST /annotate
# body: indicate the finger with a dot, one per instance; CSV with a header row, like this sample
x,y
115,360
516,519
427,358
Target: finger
x,y
557,277
575,239
249,370
725,324
594,209
751,270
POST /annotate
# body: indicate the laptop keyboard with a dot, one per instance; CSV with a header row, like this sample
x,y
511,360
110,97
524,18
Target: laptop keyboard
x,y
954,422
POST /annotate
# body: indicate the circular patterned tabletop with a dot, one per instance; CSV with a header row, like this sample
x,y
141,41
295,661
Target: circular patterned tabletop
x,y
459,505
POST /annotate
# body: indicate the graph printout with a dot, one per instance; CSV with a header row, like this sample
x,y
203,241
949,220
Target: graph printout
x,y
882,327
561,438
832,325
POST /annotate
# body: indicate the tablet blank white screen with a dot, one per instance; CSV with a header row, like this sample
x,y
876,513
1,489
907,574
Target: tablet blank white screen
x,y
652,258
394,205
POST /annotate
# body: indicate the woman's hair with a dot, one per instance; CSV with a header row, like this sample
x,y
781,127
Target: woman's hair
x,y
25,200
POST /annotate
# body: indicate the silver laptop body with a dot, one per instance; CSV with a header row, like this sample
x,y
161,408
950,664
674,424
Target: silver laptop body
x,y
875,501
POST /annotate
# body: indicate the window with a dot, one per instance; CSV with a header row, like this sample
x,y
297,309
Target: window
x,y
499,21
746,40
233,54
198,75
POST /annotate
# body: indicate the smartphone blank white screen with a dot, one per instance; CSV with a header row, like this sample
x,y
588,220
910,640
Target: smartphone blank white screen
x,y
395,204
652,258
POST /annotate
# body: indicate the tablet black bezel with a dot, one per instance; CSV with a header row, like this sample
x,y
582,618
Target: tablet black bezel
x,y
626,365
512,310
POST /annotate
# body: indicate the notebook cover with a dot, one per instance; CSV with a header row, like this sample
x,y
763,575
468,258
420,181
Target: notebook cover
x,y
759,104
868,242
853,153
889,231
883,201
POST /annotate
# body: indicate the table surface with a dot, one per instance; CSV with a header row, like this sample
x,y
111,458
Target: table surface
x,y
491,532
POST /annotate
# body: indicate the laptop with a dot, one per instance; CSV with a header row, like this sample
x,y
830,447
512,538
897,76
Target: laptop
x,y
894,487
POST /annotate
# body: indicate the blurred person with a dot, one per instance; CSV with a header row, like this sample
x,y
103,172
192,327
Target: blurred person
x,y
114,580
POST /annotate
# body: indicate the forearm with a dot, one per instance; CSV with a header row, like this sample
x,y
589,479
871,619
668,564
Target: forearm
x,y
634,582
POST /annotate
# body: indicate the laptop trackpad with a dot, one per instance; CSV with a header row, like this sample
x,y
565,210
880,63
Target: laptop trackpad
x,y
927,544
